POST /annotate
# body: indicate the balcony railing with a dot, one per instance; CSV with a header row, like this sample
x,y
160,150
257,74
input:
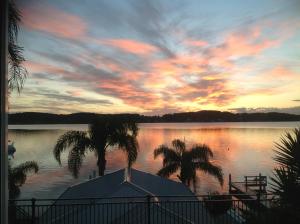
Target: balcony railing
x,y
139,210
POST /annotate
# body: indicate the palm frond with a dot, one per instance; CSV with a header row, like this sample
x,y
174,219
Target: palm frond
x,y
77,138
169,155
211,169
129,144
288,151
168,170
75,159
286,184
201,153
178,145
17,73
19,173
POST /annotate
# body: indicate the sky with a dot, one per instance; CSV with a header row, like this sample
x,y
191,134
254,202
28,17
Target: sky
x,y
157,56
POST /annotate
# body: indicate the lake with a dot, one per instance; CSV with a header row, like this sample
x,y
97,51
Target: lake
x,y
239,148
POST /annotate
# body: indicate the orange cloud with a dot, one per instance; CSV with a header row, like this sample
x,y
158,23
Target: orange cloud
x,y
130,94
281,73
241,46
196,43
130,46
46,18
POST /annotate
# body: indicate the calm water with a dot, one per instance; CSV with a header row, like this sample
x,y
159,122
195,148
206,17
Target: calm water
x,y
240,148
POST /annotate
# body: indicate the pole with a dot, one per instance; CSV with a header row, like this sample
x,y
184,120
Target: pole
x,y
230,183
33,200
148,209
4,109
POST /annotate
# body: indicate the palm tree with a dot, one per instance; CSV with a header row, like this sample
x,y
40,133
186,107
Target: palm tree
x,y
17,177
285,183
187,161
17,73
287,154
102,134
286,180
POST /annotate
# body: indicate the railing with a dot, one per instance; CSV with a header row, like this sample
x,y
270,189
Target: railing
x,y
138,210
254,184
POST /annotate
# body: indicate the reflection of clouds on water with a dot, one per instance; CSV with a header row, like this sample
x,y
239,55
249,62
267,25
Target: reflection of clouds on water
x,y
250,152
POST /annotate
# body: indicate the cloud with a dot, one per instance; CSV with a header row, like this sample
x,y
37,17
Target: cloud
x,y
141,53
48,19
280,72
196,43
246,44
289,110
130,46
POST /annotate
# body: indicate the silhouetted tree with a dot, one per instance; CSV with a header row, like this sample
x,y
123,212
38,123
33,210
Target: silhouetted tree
x,y
187,161
286,180
285,184
17,73
17,177
102,134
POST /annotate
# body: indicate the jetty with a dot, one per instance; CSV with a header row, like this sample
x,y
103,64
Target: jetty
x,y
251,190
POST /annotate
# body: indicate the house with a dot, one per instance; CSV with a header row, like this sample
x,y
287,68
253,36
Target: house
x,y
128,196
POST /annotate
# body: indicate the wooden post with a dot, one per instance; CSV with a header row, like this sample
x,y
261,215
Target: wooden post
x,y
260,182
230,183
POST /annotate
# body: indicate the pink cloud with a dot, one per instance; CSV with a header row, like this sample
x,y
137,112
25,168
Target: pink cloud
x,y
46,18
242,46
281,73
36,67
196,43
75,92
130,46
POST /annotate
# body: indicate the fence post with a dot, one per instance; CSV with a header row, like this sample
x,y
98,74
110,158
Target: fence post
x,y
258,205
148,209
33,200
260,182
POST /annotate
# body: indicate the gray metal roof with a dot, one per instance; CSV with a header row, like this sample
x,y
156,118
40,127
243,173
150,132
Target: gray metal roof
x,y
109,204
107,185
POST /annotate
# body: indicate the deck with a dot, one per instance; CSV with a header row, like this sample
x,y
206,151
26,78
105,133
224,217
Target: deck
x,y
252,190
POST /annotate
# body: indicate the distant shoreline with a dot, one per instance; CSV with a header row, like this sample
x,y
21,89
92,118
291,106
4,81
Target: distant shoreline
x,y
31,118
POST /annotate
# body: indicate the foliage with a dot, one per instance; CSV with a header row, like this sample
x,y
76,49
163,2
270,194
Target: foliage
x,y
288,152
285,184
103,134
17,73
17,177
286,180
187,161
274,215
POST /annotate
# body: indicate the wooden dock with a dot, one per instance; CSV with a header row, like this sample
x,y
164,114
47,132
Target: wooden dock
x,y
251,190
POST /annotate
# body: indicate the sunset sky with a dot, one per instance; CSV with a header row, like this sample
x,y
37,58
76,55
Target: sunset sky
x,y
156,57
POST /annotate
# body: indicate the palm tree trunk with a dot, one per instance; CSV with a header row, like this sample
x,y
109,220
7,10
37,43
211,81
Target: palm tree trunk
x,y
101,163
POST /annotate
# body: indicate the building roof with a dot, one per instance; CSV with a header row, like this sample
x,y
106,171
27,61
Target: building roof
x,y
123,195
113,185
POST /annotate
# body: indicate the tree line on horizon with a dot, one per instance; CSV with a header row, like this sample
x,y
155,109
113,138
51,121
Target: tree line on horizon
x,y
200,116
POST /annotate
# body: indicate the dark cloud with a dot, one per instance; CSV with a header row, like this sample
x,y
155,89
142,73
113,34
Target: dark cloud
x,y
72,99
289,110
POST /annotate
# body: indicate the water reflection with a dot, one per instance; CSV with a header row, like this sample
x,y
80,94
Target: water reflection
x,y
241,149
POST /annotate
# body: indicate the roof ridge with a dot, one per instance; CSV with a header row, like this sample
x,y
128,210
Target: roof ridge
x,y
96,178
